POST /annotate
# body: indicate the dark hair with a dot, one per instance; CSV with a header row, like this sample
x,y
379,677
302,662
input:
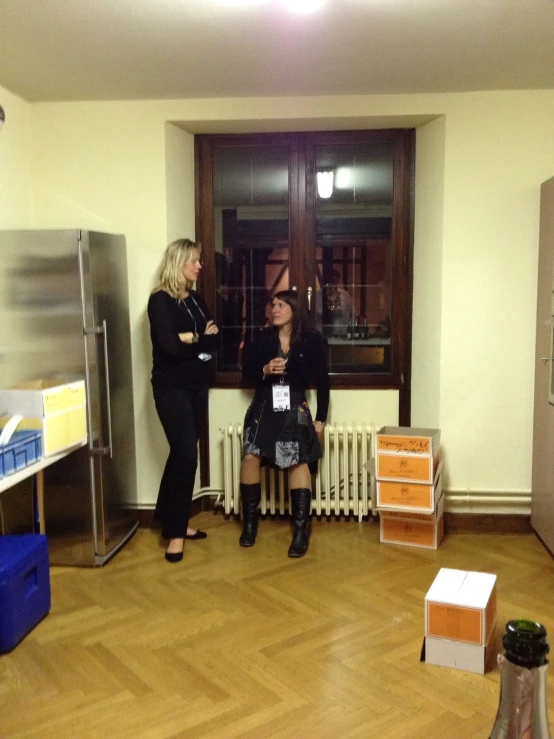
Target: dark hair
x,y
301,321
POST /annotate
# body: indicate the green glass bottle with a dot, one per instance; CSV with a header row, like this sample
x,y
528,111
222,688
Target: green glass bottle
x,y
522,712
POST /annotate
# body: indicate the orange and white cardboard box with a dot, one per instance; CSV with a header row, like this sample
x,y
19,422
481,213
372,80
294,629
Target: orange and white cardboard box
x,y
406,454
459,655
409,496
413,529
57,409
461,606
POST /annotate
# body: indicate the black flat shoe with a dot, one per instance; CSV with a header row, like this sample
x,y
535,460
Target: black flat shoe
x,y
199,535
174,556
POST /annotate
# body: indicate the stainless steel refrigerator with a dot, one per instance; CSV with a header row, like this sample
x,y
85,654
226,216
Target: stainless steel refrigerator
x,y
65,315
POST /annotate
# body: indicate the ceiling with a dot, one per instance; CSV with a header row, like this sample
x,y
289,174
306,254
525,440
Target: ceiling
x,y
53,50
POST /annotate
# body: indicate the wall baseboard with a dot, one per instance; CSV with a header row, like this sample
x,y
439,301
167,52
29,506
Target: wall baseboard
x,y
487,523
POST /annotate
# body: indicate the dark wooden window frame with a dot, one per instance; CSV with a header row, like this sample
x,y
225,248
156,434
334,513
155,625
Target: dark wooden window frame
x,y
302,236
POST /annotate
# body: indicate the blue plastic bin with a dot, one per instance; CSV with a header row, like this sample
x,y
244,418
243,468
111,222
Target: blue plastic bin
x,y
24,448
24,586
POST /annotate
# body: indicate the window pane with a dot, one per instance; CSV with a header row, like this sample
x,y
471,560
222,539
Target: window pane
x,y
251,236
354,254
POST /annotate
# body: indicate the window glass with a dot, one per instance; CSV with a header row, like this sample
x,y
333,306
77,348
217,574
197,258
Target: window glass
x,y
353,232
329,213
251,240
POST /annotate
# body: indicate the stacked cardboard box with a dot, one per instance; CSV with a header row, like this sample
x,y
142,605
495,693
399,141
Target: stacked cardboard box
x,y
460,621
57,410
409,489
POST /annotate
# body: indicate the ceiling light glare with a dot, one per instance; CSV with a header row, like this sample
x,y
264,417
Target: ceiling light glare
x,y
344,178
303,7
238,3
325,184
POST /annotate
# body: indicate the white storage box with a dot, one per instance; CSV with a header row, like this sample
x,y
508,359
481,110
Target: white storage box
x,y
460,656
460,621
461,606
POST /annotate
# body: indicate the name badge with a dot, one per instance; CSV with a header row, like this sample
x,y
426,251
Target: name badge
x,y
281,397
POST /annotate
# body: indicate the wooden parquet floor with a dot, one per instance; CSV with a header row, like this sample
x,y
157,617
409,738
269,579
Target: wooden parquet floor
x,y
247,643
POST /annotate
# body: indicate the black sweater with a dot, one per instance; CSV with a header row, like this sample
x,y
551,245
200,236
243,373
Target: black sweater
x,y
307,361
176,364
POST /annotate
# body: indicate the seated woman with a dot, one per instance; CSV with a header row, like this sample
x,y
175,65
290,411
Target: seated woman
x,y
278,428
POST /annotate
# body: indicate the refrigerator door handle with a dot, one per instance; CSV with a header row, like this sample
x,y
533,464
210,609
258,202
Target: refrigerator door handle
x,y
103,330
108,397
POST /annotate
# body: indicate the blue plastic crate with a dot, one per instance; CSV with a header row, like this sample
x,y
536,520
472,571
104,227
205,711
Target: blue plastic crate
x,y
24,586
24,448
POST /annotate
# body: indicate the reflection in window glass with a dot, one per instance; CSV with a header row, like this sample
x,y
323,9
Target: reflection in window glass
x,y
354,255
251,235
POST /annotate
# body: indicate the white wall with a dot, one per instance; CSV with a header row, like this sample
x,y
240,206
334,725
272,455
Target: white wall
x,y
427,299
15,173
479,169
499,149
179,178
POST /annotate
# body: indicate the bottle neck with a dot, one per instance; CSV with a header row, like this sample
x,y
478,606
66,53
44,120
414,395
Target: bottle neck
x,y
525,643
522,713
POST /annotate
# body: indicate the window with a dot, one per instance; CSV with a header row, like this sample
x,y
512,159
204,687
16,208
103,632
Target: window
x,y
267,223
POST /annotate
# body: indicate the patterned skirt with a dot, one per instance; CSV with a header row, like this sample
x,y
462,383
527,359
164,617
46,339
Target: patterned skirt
x,y
281,438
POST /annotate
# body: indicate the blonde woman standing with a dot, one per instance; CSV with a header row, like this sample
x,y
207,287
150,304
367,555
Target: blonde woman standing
x,y
184,337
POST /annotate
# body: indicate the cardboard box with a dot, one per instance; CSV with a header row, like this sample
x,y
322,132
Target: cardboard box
x,y
405,454
460,656
408,440
413,529
58,410
461,606
409,496
408,514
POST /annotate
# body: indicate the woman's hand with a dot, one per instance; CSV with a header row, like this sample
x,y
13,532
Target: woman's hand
x,y
275,366
319,427
188,337
211,328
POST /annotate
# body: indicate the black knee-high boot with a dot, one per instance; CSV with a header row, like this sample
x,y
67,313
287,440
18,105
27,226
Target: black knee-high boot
x,y
301,510
250,496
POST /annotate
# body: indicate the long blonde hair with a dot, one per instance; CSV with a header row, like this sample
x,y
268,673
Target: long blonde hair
x,y
177,254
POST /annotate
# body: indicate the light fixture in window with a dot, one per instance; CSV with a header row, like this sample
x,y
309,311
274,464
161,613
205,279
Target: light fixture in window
x,y
325,183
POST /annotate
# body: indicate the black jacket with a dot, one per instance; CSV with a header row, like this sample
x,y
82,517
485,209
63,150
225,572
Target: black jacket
x,y
174,363
307,362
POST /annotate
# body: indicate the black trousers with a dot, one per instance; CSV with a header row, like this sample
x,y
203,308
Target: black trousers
x,y
182,414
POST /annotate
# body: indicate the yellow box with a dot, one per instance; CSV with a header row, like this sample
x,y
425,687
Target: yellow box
x,y
413,529
58,410
39,398
409,496
461,606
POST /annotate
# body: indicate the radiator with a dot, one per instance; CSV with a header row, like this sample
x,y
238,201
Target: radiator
x,y
342,485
